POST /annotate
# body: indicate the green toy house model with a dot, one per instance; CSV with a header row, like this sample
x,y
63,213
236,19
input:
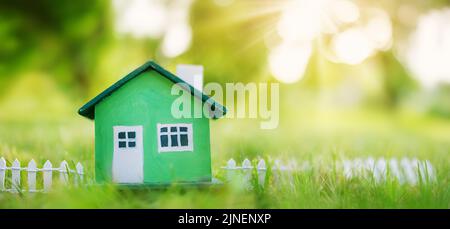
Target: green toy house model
x,y
139,141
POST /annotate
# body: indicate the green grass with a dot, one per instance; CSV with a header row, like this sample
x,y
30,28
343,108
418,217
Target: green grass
x,y
322,143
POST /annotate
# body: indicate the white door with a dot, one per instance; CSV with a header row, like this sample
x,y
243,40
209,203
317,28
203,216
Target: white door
x,y
128,159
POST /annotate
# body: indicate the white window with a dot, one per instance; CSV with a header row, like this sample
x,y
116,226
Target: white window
x,y
126,139
175,137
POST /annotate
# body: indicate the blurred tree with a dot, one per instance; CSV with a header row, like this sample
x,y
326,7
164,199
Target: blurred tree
x,y
397,81
440,101
63,38
231,47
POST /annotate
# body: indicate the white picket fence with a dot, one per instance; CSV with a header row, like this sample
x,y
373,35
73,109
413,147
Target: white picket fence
x,y
280,172
32,170
405,170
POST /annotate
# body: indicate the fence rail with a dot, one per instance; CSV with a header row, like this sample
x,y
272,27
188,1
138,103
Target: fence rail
x,y
404,170
32,171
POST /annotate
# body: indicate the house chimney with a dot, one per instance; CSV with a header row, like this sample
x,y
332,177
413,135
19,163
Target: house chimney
x,y
191,74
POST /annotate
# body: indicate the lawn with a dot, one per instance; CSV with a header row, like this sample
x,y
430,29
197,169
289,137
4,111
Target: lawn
x,y
322,142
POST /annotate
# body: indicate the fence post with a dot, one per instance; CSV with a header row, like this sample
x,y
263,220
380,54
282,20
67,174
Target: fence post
x,y
276,173
79,174
283,172
422,172
292,164
63,172
305,167
31,170
408,170
261,169
395,172
15,170
415,164
347,169
231,167
47,175
2,173
357,167
429,170
380,170
369,167
247,170
292,167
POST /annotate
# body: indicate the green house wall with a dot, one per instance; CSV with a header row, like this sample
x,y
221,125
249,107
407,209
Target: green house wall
x,y
146,100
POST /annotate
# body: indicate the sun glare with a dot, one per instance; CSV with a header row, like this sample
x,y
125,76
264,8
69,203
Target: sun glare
x,y
353,38
300,21
352,46
428,53
140,18
156,19
288,61
379,30
344,11
177,40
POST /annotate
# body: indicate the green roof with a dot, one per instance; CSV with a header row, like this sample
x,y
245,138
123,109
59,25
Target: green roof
x,y
88,110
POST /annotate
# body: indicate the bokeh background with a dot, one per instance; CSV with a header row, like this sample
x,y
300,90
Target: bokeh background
x,y
357,78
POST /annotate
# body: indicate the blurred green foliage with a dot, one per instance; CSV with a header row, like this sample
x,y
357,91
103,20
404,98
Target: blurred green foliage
x,y
75,44
61,38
